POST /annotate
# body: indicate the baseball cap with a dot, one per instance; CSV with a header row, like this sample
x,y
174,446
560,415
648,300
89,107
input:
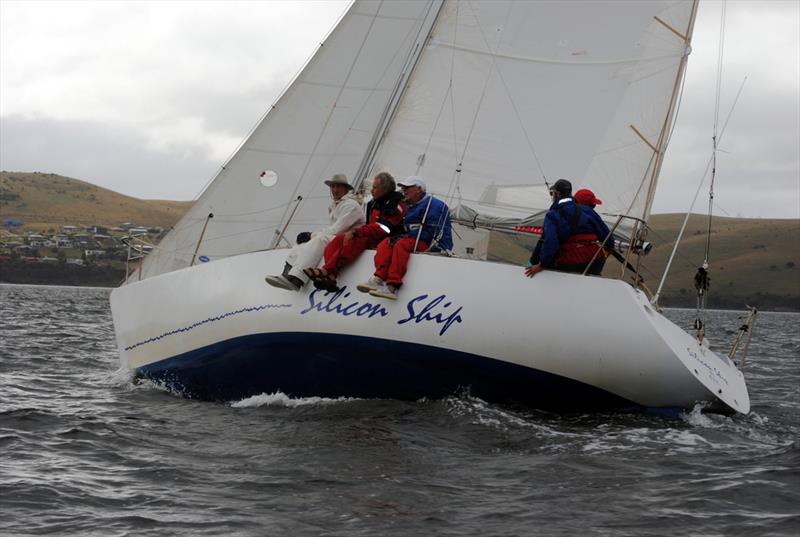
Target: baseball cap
x,y
414,180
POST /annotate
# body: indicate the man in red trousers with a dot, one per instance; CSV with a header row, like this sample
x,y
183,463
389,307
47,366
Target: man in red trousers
x,y
426,228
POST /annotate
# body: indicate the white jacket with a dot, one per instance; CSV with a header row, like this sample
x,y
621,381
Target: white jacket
x,y
345,214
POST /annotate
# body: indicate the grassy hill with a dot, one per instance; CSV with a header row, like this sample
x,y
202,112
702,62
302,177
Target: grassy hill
x,y
44,200
752,261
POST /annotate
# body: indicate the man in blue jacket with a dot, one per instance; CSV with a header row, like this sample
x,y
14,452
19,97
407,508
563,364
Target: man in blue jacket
x,y
571,236
427,228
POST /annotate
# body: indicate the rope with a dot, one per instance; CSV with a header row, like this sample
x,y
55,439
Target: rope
x,y
694,200
702,279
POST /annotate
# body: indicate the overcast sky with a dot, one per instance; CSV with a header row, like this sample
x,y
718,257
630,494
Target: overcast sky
x,y
149,99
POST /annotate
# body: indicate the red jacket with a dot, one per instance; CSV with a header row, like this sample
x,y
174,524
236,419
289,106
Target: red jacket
x,y
384,218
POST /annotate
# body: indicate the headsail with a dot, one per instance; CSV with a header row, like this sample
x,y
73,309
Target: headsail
x,y
323,124
508,93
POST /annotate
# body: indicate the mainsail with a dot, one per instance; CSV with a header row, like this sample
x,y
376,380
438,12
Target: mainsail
x,y
488,100
509,95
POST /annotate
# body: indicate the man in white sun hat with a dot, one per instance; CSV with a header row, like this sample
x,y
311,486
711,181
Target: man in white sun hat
x,y
345,214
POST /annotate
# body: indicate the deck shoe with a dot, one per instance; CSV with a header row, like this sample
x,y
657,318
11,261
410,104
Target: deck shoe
x,y
327,284
371,285
385,291
281,282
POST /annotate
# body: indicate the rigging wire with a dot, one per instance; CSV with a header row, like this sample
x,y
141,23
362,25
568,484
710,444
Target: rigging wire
x,y
330,113
702,278
697,193
519,117
474,121
366,101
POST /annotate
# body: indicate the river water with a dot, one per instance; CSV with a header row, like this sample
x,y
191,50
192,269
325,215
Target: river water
x,y
84,451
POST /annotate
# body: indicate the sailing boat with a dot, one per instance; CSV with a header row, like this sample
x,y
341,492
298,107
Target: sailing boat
x,y
488,101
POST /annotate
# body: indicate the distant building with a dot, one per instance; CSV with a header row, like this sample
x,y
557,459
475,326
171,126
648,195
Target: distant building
x,y
74,261
138,231
69,229
12,222
94,253
98,230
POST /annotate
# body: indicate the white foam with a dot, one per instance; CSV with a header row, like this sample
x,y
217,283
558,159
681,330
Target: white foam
x,y
281,399
122,377
491,416
697,418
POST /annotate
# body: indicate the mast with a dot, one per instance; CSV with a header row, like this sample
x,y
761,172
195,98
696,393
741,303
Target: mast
x,y
639,231
434,8
663,138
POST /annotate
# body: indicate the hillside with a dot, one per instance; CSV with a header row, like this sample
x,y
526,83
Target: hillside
x,y
752,261
43,200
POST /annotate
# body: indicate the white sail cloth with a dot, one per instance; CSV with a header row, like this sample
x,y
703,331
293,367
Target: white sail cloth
x,y
510,94
488,99
345,214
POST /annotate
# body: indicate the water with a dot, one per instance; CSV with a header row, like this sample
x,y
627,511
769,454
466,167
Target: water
x,y
85,452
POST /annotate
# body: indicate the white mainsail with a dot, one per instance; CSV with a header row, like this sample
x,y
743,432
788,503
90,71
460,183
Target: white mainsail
x,y
508,93
486,99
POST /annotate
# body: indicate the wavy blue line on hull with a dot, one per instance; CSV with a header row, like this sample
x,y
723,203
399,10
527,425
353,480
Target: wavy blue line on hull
x,y
303,364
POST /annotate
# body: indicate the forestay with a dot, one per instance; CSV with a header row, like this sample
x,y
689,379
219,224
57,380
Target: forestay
x,y
510,93
323,124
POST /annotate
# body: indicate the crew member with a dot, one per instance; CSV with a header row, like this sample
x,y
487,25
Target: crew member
x,y
571,238
427,228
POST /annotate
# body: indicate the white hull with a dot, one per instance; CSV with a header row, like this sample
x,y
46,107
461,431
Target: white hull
x,y
478,323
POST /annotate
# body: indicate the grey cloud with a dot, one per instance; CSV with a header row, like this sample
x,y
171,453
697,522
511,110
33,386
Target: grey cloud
x,y
110,155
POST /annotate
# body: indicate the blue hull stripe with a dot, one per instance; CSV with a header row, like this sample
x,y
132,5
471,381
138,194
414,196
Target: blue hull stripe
x,y
302,364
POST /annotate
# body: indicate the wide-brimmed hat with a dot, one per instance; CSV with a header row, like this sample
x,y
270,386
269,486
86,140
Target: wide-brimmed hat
x,y
339,179
585,196
414,180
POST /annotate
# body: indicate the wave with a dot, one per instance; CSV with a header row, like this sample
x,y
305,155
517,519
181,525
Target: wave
x,y
281,399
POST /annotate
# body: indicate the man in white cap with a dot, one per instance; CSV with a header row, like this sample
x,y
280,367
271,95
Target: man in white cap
x,y
345,214
427,228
